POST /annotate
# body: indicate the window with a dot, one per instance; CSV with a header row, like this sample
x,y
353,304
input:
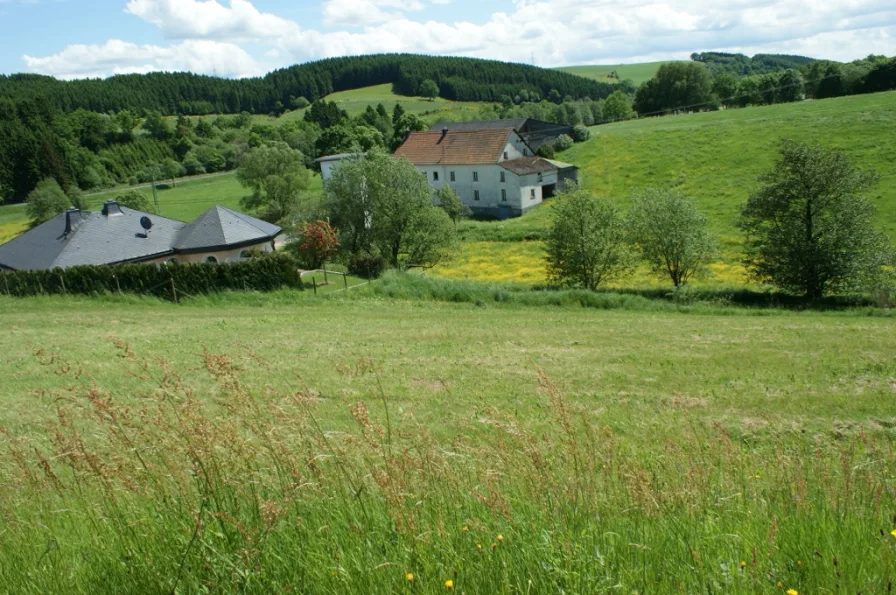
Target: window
x,y
435,176
505,154
532,194
475,176
172,261
539,177
452,176
475,195
502,177
246,255
210,259
525,152
503,195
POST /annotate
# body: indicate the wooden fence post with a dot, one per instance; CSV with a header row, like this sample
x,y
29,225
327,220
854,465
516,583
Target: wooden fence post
x,y
62,281
314,285
173,290
345,280
117,284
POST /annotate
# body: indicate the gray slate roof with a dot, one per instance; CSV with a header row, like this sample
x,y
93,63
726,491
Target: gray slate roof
x,y
221,227
99,239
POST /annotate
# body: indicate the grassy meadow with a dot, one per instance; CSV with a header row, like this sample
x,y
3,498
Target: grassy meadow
x,y
715,157
359,443
637,73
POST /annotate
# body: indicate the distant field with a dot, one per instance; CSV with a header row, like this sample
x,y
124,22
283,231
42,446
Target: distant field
x,y
637,73
716,157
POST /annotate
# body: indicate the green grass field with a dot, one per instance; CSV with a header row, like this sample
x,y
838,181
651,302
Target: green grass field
x,y
715,157
637,73
337,444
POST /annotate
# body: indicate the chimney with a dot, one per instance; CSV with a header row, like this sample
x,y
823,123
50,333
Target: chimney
x,y
444,131
111,209
72,220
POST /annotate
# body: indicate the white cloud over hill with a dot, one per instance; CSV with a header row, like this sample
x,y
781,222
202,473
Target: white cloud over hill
x,y
209,36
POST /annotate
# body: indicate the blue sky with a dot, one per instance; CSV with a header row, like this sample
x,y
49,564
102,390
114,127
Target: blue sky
x,y
83,38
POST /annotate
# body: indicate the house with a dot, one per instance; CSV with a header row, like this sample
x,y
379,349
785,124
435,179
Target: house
x,y
493,171
534,132
117,235
330,163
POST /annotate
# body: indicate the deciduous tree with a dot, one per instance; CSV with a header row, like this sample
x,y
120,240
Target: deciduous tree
x,y
429,89
450,202
45,202
277,176
586,242
670,233
809,230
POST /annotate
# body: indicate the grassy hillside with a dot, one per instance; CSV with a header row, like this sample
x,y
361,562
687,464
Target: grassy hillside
x,y
715,157
637,73
285,443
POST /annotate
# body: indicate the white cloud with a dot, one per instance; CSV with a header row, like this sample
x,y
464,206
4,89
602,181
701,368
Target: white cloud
x,y
553,32
120,57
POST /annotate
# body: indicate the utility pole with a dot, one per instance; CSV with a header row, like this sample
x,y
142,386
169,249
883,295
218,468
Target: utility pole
x,y
155,193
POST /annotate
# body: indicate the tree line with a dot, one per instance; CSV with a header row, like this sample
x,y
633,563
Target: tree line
x,y
686,86
460,79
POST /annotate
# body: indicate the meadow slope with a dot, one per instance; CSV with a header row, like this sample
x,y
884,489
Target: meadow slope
x,y
338,445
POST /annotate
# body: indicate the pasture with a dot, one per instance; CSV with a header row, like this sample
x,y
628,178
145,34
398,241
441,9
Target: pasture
x,y
356,443
637,73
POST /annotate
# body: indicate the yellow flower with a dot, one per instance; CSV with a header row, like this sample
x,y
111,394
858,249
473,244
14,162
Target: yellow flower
x,y
500,537
466,529
409,577
478,547
792,592
743,564
449,584
893,532
799,564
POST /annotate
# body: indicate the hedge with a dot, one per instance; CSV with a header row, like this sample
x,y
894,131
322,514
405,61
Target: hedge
x,y
265,273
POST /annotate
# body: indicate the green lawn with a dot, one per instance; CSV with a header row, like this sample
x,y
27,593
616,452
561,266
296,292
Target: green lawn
x,y
288,442
637,73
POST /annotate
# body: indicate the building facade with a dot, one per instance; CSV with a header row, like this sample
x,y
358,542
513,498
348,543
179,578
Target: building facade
x,y
493,171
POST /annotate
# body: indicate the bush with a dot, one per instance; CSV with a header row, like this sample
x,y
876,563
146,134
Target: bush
x,y
563,142
580,134
269,273
546,150
365,264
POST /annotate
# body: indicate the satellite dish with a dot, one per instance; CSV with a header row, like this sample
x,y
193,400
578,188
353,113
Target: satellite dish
x,y
146,223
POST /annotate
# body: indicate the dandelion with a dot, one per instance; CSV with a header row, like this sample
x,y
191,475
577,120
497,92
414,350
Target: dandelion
x,y
500,537
409,577
478,547
792,592
449,584
893,532
743,564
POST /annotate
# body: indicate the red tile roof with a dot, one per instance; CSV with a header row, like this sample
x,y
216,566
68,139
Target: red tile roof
x,y
455,147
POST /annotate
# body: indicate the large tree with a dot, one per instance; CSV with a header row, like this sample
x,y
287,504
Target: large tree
x,y
808,229
586,241
277,176
382,206
675,86
429,89
45,202
618,106
450,202
670,233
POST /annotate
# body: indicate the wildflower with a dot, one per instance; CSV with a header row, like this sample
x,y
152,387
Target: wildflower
x,y
893,532
799,564
792,592
449,584
465,529
743,564
478,547
409,577
500,537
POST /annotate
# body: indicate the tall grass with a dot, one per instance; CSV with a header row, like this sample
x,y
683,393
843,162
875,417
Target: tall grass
x,y
242,488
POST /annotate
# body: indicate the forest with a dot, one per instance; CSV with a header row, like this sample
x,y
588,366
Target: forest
x,y
459,79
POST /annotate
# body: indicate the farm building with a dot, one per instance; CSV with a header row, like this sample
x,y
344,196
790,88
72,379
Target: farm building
x,y
534,132
118,235
493,171
330,163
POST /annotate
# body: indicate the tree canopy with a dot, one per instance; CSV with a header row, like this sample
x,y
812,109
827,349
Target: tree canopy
x,y
45,202
277,176
809,230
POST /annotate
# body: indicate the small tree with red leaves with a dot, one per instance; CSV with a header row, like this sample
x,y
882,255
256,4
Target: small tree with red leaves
x,y
317,242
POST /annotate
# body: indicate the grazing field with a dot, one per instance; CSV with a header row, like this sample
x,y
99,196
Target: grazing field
x,y
637,73
359,444
715,157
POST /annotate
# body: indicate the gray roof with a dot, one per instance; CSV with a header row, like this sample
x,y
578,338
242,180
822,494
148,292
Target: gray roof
x,y
524,166
515,123
221,227
96,238
337,157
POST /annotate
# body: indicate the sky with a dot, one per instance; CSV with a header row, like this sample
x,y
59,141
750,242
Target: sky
x,y
240,38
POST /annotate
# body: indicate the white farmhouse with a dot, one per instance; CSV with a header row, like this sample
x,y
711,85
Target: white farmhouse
x,y
494,172
330,163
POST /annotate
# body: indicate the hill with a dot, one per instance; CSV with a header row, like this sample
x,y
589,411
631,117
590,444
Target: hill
x,y
741,65
614,73
459,79
715,157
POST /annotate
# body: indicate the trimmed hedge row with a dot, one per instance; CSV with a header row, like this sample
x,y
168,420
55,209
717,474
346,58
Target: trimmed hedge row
x,y
265,273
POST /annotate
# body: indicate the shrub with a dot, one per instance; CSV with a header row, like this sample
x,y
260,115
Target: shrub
x,y
580,134
317,242
563,142
546,150
365,264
